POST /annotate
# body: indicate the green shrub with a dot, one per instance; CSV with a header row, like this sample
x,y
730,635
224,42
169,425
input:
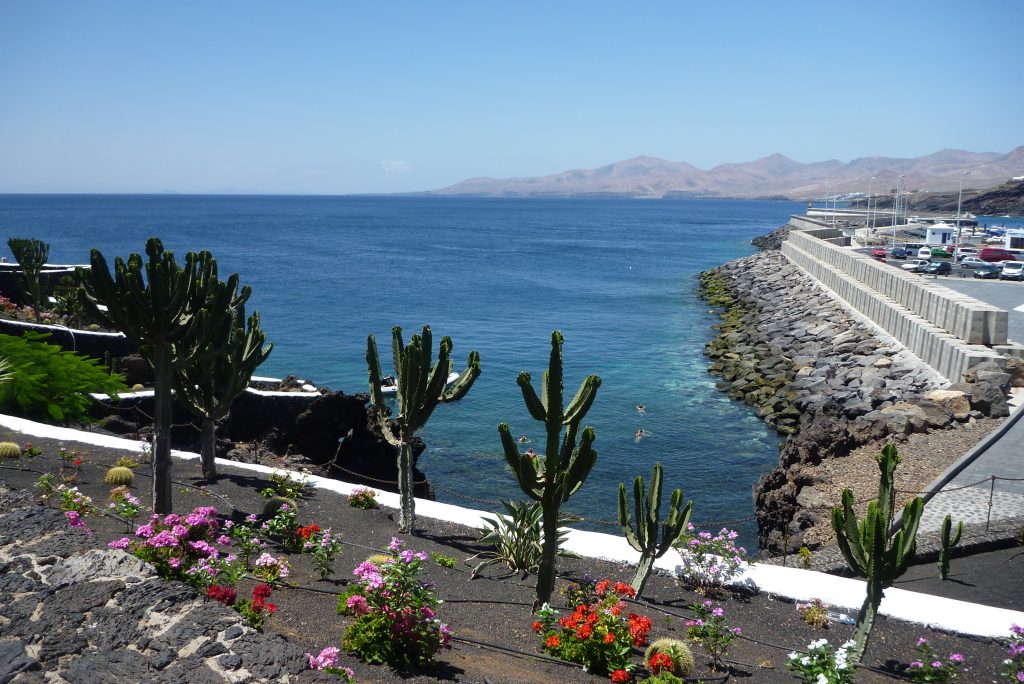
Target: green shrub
x,y
49,383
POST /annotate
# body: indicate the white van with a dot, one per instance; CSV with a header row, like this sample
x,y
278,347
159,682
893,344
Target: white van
x,y
924,253
962,252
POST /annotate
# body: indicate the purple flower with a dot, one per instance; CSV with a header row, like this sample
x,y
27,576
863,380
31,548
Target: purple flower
x,y
395,544
406,556
327,658
365,570
224,540
737,631
144,531
174,562
163,538
179,531
172,519
1020,675
921,641
422,555
251,518
936,663
122,543
718,612
204,549
956,658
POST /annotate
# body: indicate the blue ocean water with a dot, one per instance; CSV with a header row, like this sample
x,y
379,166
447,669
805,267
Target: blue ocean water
x,y
617,277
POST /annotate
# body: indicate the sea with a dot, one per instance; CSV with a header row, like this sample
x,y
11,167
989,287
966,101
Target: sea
x,y
617,277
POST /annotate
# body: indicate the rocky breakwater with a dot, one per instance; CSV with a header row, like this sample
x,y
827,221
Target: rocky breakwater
x,y
825,379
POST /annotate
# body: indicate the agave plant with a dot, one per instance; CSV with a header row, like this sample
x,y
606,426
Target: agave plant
x,y
518,538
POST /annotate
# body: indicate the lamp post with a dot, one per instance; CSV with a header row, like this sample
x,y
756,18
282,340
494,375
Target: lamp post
x,y
867,216
835,204
959,197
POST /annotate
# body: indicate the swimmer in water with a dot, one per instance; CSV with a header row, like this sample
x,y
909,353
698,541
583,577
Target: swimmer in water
x,y
523,439
640,409
641,433
530,453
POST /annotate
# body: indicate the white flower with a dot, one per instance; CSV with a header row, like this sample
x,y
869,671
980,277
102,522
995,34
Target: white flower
x,y
794,655
805,661
822,679
817,644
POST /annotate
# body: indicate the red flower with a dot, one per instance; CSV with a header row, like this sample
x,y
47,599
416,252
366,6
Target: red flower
x,y
225,595
262,591
271,608
659,662
257,605
609,638
537,626
308,531
584,632
639,626
552,642
602,587
78,462
620,676
623,589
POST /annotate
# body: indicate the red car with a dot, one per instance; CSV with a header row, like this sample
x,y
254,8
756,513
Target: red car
x,y
878,254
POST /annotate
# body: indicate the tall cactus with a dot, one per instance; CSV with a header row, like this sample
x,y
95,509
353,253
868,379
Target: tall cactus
x,y
866,545
420,389
552,478
31,255
162,307
208,387
647,514
949,540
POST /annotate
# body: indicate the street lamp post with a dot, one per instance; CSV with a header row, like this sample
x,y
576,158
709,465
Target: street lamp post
x,y
959,197
835,204
867,216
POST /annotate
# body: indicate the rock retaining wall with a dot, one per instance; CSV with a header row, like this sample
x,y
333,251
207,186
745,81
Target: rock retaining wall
x,y
829,379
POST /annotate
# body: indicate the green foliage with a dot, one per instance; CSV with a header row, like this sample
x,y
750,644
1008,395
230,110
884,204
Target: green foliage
x,y
949,540
31,255
866,546
442,560
285,486
805,557
421,387
119,476
9,450
556,476
814,613
678,651
647,514
517,538
364,498
127,462
49,383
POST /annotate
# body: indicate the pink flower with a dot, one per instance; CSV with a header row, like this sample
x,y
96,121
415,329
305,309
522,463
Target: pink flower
x,y
122,543
395,544
327,658
358,605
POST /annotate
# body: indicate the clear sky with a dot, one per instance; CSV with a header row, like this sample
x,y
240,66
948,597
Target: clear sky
x,y
350,97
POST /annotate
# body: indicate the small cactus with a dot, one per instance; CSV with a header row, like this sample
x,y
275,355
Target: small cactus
x,y
678,651
119,476
274,503
9,450
949,540
137,387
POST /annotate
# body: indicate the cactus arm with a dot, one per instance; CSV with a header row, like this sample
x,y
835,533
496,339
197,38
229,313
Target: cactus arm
x,y
643,524
397,348
673,528
654,501
624,521
523,468
580,465
581,403
533,403
465,381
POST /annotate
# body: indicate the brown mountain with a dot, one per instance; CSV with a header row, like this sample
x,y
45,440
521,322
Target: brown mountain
x,y
775,175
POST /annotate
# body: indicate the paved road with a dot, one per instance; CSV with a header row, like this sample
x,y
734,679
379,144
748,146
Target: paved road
x,y
1005,294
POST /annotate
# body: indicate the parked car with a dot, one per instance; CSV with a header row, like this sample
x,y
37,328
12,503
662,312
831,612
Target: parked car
x,y
899,253
940,253
878,254
996,254
924,253
987,270
964,252
940,268
1012,270
916,266
972,262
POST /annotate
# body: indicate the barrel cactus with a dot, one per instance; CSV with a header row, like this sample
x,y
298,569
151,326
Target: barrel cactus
x,y
274,504
678,651
9,450
119,476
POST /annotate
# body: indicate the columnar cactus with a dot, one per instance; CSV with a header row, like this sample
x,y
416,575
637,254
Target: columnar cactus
x,y
949,540
552,478
866,546
208,387
648,516
31,255
162,307
421,387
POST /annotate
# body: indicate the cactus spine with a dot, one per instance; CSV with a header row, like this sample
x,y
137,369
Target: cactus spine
x,y
554,477
647,514
208,387
162,307
31,255
421,387
866,546
949,540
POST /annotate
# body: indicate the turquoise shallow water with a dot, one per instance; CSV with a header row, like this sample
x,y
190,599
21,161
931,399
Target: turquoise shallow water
x,y
618,277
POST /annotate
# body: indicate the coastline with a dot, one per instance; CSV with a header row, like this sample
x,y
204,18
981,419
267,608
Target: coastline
x,y
837,386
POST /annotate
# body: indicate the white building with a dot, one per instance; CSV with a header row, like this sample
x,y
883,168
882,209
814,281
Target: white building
x,y
940,234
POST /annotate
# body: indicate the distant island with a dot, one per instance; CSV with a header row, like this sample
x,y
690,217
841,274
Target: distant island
x,y
775,177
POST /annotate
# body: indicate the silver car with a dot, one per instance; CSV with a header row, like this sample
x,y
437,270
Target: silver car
x,y
917,265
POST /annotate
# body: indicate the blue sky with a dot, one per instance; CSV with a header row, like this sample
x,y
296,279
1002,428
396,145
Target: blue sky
x,y
333,98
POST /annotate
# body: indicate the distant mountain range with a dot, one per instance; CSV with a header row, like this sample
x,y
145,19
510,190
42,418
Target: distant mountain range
x,y
774,176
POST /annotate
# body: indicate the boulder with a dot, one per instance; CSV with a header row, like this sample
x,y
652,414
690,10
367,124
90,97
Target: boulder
x,y
997,378
971,374
990,400
956,402
1015,367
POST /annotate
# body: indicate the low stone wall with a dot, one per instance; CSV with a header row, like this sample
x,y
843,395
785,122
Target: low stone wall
x,y
86,342
71,612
